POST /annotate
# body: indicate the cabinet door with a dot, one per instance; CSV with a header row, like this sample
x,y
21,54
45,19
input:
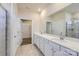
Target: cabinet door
x,y
46,47
78,54
42,43
34,39
37,41
68,52
54,49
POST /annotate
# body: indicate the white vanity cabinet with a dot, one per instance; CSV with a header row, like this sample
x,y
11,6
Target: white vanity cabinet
x,y
50,48
68,52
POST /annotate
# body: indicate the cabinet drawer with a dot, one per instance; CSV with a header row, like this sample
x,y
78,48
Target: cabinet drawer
x,y
68,52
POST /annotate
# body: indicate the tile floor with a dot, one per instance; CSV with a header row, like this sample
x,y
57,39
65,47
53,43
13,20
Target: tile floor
x,y
26,41
28,50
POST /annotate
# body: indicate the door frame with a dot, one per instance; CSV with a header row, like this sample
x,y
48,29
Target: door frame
x,y
6,42
31,27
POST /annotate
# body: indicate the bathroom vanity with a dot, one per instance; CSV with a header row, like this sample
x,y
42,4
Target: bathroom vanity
x,y
52,45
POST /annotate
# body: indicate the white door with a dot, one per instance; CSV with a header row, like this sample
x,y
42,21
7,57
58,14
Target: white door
x,y
2,31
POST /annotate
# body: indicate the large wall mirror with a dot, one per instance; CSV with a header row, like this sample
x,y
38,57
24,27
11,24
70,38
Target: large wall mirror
x,y
65,21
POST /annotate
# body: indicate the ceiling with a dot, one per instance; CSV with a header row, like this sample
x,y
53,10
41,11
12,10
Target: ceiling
x,y
35,7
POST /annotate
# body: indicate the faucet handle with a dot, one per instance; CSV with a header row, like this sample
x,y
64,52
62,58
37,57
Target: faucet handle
x,y
61,33
61,36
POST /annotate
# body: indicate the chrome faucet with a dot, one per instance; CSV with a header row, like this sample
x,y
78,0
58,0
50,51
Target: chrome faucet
x,y
61,36
41,32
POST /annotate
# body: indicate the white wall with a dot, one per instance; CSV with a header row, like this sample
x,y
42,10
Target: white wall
x,y
26,14
16,30
43,18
